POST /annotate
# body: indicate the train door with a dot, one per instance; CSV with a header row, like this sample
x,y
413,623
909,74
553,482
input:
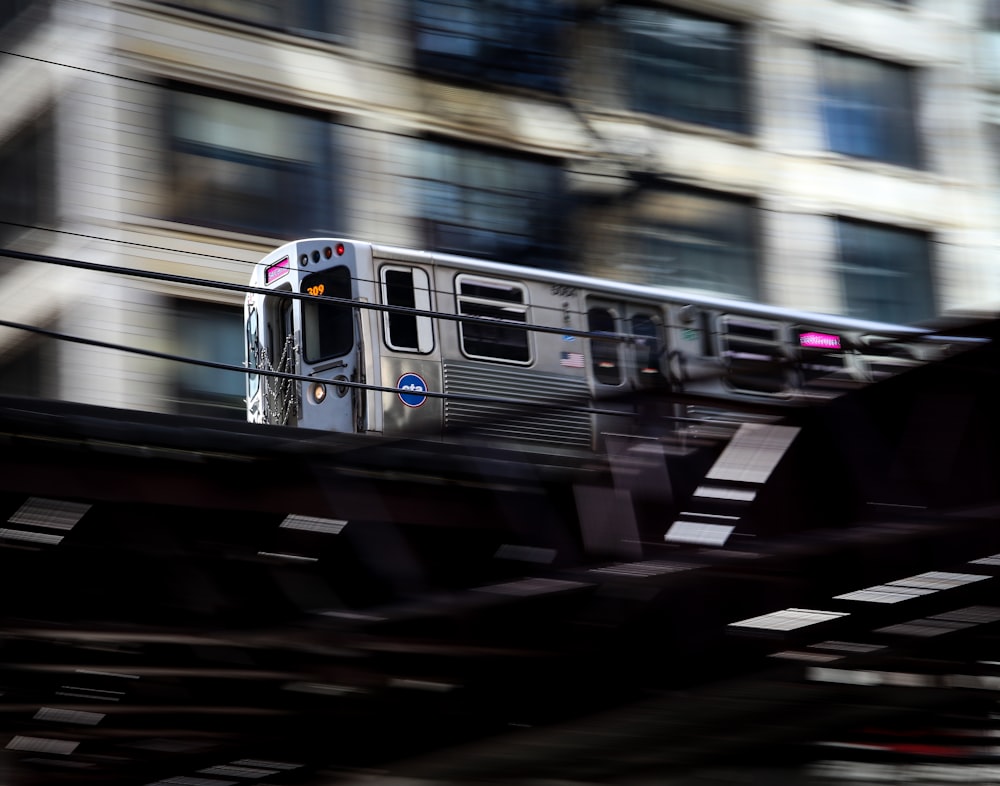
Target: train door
x,y
626,359
410,358
329,340
255,407
270,347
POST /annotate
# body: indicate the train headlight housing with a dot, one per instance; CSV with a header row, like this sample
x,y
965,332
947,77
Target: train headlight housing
x,y
317,392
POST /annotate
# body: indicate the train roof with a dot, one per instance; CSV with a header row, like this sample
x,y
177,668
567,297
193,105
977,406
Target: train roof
x,y
631,290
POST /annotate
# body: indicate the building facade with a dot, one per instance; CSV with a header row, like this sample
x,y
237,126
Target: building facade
x,y
834,155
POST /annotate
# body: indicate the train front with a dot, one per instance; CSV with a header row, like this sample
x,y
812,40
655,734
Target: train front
x,y
304,335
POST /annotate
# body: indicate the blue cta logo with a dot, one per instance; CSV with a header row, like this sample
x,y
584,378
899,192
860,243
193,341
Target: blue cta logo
x,y
412,387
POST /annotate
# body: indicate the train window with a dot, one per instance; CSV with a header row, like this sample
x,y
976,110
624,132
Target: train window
x,y
253,349
327,328
821,357
498,302
281,311
604,352
754,355
647,346
409,288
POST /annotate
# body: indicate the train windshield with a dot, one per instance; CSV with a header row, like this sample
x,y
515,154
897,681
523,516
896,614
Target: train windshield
x,y
327,328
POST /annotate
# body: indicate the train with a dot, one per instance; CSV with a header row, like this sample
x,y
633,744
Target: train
x,y
358,337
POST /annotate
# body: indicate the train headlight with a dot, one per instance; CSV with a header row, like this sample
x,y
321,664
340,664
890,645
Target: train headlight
x,y
317,392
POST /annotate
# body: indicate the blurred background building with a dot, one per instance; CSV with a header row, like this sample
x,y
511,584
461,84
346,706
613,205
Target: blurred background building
x,y
835,155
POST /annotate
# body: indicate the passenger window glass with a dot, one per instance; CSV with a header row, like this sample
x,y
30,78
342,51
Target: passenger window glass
x,y
253,344
408,288
603,352
328,328
282,315
754,355
499,302
647,346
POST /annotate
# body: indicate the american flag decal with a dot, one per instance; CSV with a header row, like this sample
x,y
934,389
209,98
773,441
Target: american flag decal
x,y
571,359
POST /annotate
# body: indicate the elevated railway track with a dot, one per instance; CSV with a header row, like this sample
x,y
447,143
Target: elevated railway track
x,y
194,599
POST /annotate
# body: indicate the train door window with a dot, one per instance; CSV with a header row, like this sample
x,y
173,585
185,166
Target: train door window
x,y
604,352
280,328
497,302
647,347
407,287
327,328
253,349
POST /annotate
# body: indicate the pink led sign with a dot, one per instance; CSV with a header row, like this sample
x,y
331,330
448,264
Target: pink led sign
x,y
278,270
819,340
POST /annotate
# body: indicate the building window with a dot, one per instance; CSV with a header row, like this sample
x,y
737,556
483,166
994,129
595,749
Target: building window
x,y
886,272
249,167
13,9
305,17
511,42
491,204
683,66
868,108
30,369
990,42
212,332
27,191
690,239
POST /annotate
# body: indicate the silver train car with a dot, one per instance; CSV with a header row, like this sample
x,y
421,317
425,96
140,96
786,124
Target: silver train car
x,y
357,337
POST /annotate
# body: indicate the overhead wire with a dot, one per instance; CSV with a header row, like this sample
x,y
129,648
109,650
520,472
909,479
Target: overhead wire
x,y
29,256
151,83
245,289
152,247
471,397
148,246
120,241
243,369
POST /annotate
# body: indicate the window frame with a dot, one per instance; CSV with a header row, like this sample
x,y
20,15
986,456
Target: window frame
x,y
313,215
252,334
605,353
891,129
908,310
664,79
324,32
755,360
521,306
318,315
190,398
423,325
655,223
28,176
464,206
493,55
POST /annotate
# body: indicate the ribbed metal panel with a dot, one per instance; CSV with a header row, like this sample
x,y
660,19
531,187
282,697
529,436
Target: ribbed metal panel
x,y
542,418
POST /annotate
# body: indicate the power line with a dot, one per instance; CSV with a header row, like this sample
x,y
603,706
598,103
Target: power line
x,y
194,281
174,278
85,70
132,243
562,404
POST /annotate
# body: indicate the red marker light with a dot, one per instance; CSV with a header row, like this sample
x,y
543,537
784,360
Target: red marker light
x,y
340,249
